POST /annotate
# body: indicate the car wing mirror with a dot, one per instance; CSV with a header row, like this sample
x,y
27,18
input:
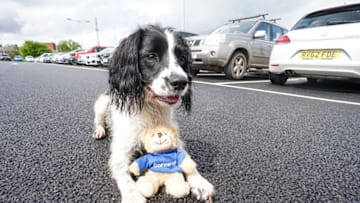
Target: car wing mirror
x,y
260,34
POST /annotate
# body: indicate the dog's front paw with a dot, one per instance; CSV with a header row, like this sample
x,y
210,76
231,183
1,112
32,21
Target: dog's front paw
x,y
99,133
201,188
133,197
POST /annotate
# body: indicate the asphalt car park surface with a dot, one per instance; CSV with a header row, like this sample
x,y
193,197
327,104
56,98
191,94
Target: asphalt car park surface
x,y
254,146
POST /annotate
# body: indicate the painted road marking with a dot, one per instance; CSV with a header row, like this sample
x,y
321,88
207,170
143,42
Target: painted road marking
x,y
81,68
281,93
242,82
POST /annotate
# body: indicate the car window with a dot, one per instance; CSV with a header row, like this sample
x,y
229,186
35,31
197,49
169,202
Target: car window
x,y
341,15
276,32
98,49
242,27
267,28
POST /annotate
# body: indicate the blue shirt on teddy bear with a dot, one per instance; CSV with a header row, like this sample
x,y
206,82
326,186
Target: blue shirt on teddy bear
x,y
163,162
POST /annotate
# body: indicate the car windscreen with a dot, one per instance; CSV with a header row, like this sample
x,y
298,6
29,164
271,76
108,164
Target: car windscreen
x,y
242,27
335,16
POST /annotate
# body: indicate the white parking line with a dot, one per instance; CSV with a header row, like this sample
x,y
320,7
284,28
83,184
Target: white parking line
x,y
243,82
281,93
80,68
74,67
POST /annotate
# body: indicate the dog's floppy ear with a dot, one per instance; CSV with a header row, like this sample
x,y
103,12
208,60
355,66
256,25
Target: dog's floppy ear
x,y
186,99
187,67
125,78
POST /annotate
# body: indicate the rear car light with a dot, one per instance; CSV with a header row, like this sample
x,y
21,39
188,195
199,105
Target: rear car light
x,y
283,39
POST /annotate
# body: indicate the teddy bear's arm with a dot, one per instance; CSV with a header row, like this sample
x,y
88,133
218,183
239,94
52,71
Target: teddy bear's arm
x,y
139,165
188,165
134,169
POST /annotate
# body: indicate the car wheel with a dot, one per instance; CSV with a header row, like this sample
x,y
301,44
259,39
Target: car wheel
x,y
277,79
237,66
312,80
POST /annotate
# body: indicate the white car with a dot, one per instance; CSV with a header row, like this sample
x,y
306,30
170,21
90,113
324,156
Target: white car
x,y
323,44
58,58
105,55
91,59
29,59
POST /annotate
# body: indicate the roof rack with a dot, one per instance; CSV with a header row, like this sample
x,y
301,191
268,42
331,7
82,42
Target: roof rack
x,y
246,18
274,20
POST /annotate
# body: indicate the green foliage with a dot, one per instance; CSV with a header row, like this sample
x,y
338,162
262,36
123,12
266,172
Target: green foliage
x,y
33,48
67,45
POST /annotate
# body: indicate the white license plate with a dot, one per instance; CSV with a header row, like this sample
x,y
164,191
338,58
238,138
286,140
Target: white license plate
x,y
320,54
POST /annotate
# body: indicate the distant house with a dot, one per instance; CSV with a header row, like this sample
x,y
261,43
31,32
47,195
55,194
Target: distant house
x,y
51,46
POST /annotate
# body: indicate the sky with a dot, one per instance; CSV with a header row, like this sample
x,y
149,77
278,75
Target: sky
x,y
46,21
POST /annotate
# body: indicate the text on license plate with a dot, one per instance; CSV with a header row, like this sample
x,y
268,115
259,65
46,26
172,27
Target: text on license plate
x,y
320,54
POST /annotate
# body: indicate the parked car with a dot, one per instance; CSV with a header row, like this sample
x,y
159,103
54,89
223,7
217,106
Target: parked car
x,y
94,49
236,48
44,58
58,58
18,58
322,44
68,58
29,58
5,57
91,59
105,56
50,58
185,34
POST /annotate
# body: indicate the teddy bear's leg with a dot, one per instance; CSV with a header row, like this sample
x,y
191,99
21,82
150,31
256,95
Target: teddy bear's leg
x,y
148,186
176,186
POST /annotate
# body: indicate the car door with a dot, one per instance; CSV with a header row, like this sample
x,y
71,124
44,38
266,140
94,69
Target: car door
x,y
261,47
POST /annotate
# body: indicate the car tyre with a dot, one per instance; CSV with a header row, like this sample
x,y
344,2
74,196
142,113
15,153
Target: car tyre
x,y
237,66
277,79
312,80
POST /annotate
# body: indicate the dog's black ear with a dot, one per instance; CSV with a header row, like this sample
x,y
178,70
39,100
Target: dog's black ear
x,y
125,78
186,99
186,64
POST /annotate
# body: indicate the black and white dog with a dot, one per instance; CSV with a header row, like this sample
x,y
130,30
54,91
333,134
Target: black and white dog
x,y
149,77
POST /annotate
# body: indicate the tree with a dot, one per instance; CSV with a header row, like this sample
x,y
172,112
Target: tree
x,y
67,45
11,49
33,48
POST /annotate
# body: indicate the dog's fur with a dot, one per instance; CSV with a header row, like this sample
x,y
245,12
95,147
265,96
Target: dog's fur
x,y
149,76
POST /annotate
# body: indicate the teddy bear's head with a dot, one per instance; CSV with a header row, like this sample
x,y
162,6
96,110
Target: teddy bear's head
x,y
159,139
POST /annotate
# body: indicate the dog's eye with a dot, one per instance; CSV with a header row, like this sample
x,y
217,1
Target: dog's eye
x,y
152,58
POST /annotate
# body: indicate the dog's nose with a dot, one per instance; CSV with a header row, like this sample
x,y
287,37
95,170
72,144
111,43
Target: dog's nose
x,y
178,82
160,134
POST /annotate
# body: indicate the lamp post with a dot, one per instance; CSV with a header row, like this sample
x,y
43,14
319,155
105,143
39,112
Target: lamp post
x,y
89,22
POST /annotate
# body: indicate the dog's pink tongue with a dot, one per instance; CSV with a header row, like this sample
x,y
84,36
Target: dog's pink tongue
x,y
172,99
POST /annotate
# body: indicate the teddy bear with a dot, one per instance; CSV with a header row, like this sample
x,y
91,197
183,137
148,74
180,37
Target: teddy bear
x,y
163,164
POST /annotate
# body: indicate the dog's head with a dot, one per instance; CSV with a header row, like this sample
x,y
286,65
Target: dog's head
x,y
152,62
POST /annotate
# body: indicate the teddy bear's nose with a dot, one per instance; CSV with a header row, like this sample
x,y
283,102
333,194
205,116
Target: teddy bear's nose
x,y
160,134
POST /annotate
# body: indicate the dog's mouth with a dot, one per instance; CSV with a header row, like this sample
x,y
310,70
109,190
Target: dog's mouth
x,y
169,99
172,99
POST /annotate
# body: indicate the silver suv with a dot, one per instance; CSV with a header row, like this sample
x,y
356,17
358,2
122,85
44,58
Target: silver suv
x,y
235,48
